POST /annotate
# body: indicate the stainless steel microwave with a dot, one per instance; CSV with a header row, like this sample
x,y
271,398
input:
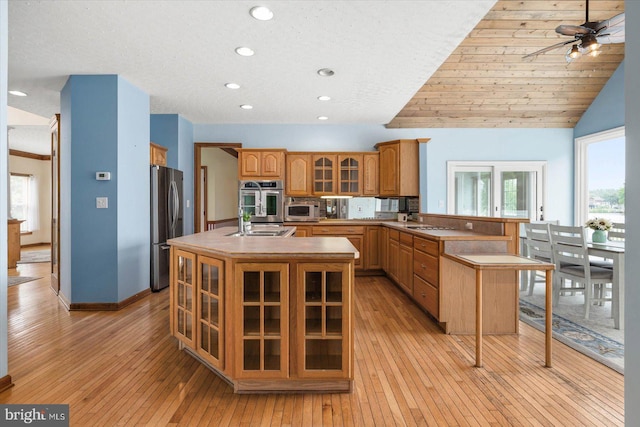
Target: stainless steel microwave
x,y
301,211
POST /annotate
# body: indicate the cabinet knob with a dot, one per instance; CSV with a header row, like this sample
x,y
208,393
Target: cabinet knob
x,y
423,266
423,295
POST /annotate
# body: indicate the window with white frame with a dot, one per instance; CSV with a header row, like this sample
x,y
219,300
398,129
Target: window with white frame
x,y
513,189
600,174
24,201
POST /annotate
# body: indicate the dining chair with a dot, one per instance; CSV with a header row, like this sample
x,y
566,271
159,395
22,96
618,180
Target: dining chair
x,y
617,232
571,256
538,246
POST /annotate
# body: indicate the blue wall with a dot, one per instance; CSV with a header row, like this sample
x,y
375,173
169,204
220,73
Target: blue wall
x,y
552,145
176,134
164,131
607,110
105,252
133,190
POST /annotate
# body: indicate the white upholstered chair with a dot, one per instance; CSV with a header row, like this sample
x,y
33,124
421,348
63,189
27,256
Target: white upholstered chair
x,y
571,256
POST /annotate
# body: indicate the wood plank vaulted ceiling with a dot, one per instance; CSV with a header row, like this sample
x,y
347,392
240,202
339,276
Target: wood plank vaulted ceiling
x,y
487,83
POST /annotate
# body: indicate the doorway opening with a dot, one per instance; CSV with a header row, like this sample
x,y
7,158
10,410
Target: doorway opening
x,y
216,185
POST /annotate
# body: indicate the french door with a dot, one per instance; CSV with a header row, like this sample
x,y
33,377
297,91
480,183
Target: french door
x,y
501,189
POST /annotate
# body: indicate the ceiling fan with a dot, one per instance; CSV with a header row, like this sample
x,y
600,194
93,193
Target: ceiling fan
x,y
588,37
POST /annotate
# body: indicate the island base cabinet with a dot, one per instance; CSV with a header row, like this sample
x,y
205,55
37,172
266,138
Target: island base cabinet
x,y
324,327
262,290
458,296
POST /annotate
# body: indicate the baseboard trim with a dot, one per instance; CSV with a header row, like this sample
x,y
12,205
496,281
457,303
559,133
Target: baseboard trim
x,y
5,383
108,306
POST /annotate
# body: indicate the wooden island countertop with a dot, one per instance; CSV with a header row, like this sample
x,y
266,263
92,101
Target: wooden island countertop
x,y
219,242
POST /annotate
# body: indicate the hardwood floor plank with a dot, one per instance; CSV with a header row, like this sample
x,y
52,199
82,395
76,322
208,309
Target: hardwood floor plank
x,y
123,368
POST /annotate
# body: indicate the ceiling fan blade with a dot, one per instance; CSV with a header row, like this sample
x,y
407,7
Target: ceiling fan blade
x,y
573,30
548,48
611,30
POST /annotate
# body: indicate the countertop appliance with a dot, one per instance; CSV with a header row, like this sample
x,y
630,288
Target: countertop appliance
x,y
263,199
166,220
302,211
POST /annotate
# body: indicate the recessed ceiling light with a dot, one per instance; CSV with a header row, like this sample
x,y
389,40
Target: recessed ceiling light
x,y
325,72
323,118
324,98
232,86
246,107
261,13
17,93
244,51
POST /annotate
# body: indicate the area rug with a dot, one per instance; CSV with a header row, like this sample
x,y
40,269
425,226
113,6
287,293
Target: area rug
x,y
16,280
588,342
28,257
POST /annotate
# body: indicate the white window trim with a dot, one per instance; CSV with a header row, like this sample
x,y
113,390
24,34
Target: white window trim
x,y
581,179
494,166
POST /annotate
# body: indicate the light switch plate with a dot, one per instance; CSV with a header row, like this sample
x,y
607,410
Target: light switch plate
x,y
102,202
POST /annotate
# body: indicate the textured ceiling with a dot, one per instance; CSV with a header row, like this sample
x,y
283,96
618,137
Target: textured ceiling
x,y
182,53
487,83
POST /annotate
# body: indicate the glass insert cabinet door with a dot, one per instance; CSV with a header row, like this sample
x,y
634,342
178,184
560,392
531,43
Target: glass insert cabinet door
x,y
183,296
503,189
324,328
263,313
210,327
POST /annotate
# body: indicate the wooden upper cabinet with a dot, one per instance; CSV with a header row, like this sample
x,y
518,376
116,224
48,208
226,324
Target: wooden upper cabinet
x,y
350,174
260,164
158,154
371,174
324,174
298,181
399,167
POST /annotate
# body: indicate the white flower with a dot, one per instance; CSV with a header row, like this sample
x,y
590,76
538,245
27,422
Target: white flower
x,y
598,224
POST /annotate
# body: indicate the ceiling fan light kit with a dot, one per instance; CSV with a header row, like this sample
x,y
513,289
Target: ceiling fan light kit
x,y
588,37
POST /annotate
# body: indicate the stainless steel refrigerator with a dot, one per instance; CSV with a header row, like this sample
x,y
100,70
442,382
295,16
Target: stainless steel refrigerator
x,y
166,220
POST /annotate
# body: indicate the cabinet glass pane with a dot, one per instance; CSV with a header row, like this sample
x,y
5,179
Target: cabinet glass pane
x,y
272,355
251,286
188,291
214,343
252,320
188,326
334,320
313,286
214,312
272,286
205,278
204,338
323,354
334,286
313,320
251,355
181,322
272,320
204,307
181,295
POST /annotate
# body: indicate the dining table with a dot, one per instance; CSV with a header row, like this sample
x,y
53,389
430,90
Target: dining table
x,y
612,250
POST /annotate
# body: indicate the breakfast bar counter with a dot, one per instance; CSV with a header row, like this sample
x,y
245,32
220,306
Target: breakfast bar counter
x,y
267,314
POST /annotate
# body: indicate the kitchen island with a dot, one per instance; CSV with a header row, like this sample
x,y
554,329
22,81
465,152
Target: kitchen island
x,y
267,314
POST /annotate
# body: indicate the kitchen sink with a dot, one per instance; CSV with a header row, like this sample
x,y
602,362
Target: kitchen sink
x,y
256,233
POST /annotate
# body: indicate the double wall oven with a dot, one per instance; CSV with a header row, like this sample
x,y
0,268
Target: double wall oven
x,y
263,199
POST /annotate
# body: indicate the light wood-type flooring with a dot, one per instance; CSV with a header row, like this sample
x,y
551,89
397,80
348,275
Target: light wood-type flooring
x,y
123,368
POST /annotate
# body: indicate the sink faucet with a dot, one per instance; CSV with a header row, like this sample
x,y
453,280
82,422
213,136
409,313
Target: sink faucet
x,y
258,205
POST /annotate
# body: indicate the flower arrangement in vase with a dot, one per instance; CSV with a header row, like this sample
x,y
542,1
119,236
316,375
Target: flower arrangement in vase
x,y
599,227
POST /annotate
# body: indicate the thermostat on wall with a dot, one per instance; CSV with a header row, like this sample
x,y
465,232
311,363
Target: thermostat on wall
x,y
103,176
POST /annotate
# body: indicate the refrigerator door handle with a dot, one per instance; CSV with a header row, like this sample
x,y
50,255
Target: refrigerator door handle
x,y
174,206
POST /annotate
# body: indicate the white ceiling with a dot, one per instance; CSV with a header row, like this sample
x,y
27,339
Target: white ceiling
x,y
182,53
